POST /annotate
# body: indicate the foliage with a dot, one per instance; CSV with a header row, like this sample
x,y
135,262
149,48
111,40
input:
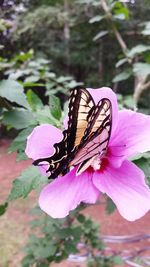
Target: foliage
x,y
13,92
70,28
143,162
110,206
3,208
30,179
28,96
104,261
65,235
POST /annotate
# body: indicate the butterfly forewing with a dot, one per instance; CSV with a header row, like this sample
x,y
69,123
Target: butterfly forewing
x,y
80,106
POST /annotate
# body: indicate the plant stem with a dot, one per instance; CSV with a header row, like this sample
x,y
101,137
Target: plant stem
x,y
140,83
114,28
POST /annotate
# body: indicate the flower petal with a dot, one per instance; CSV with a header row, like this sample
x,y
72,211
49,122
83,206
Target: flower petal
x,y
65,122
127,188
106,92
131,136
66,192
40,142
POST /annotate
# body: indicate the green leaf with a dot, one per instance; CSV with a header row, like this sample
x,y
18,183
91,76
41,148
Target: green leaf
x,y
100,35
121,62
19,144
73,84
117,260
45,251
3,208
70,247
122,76
55,107
138,49
120,16
24,56
141,69
77,233
81,218
145,155
120,9
33,100
88,225
110,206
21,155
27,261
32,79
41,248
96,19
13,91
29,179
64,233
43,264
44,116
129,102
33,84
144,164
19,118
146,30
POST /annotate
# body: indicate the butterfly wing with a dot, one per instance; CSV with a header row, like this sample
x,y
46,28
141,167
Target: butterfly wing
x,y
80,106
97,135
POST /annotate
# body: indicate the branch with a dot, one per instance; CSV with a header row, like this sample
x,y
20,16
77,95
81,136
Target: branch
x,y
146,86
115,30
140,86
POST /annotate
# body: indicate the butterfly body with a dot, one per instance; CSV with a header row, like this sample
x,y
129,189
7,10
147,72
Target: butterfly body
x,y
86,138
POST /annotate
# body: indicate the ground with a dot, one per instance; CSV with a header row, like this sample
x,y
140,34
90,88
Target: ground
x,y
14,227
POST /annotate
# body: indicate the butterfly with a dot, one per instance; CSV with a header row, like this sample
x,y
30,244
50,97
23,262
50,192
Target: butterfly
x,y
86,138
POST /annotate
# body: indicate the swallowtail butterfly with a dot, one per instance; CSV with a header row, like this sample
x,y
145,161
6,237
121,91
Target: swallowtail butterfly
x,y
85,139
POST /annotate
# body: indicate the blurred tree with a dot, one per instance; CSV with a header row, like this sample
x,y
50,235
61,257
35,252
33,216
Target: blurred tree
x,y
74,34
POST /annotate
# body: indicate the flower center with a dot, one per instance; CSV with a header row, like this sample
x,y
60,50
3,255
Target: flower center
x,y
96,163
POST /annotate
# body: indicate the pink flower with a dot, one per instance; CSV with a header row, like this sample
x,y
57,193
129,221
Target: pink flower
x,y
119,178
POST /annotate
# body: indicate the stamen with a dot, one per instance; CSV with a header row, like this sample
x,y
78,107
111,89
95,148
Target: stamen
x,y
96,163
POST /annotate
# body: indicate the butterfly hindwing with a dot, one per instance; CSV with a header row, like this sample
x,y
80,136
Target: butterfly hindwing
x,y
96,138
99,114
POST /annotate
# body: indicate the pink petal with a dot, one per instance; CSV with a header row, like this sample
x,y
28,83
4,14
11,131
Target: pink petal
x,y
40,142
66,192
127,188
106,92
65,122
132,136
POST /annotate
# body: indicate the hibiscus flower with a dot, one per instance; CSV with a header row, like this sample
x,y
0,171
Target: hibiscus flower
x,y
119,178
